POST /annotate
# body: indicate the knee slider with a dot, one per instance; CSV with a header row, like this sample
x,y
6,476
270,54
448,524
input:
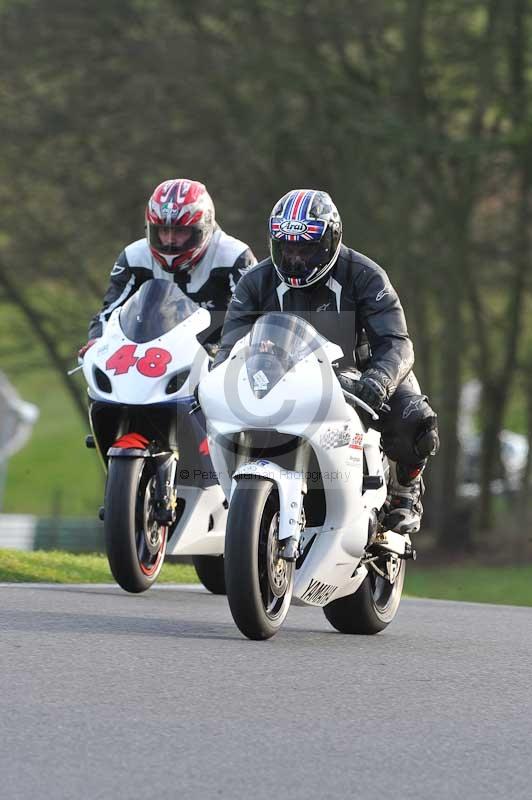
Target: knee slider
x,y
427,440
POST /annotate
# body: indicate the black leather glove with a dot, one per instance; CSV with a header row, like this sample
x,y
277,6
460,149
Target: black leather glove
x,y
348,379
373,386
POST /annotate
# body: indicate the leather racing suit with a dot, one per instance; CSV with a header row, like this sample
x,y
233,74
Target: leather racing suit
x,y
210,283
354,304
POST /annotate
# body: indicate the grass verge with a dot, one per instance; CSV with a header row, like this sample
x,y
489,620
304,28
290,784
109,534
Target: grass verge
x,y
52,566
510,585
505,584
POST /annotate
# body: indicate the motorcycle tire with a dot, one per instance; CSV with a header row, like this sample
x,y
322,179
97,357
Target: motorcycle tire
x,y
211,572
259,584
135,543
371,608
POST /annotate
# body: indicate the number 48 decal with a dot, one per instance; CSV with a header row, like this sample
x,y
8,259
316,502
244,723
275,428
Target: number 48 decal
x,y
152,364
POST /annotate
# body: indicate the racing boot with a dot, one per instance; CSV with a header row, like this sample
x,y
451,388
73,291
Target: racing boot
x,y
404,509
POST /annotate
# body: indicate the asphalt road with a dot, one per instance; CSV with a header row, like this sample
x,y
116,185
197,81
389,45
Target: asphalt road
x,y
106,695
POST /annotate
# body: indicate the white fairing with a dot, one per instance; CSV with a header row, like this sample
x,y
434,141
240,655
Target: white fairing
x,y
201,528
307,403
134,387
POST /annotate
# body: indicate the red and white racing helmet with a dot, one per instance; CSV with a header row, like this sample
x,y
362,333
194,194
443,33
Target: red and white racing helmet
x,y
179,223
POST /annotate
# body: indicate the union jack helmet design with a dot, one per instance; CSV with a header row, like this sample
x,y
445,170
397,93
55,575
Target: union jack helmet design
x,y
179,223
305,232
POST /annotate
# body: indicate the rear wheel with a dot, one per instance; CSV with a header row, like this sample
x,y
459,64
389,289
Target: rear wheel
x,y
375,603
211,572
259,583
135,542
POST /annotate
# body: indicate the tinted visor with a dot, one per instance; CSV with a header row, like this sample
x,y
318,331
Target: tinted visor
x,y
300,259
172,240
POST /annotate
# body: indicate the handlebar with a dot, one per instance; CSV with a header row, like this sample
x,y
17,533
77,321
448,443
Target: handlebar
x,y
352,399
356,401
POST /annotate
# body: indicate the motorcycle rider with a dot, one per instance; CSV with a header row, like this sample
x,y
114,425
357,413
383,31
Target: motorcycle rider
x,y
348,299
183,244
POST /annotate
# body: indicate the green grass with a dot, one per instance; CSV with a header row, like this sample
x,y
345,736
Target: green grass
x,y
54,474
53,566
510,585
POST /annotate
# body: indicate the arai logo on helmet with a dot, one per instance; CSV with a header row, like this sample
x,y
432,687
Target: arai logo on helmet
x,y
293,226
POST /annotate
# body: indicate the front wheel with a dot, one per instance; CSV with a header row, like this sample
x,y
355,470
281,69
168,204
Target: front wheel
x,y
211,571
373,606
135,542
259,584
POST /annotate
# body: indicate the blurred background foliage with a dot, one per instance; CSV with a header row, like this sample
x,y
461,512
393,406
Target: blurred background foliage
x,y
414,114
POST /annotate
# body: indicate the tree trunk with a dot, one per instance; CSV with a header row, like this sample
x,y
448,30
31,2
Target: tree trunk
x,y
449,534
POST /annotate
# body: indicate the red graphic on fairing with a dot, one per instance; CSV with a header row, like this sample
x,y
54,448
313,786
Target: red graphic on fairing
x,y
132,440
153,364
357,441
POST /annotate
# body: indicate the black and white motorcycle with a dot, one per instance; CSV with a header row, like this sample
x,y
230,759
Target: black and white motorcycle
x,y
306,484
161,493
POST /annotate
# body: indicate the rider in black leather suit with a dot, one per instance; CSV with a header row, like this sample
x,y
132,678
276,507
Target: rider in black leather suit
x,y
348,299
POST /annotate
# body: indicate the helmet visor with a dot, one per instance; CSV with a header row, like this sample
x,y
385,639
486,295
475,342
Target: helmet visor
x,y
172,240
300,259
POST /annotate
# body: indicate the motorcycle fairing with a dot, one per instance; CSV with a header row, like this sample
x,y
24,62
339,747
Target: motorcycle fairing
x,y
133,387
343,448
139,402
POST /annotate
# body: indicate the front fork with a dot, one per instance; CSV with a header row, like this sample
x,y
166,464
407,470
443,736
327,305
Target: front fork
x,y
289,547
165,497
291,485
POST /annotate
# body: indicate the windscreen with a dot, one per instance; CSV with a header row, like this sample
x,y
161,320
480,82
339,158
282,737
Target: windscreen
x,y
155,309
277,343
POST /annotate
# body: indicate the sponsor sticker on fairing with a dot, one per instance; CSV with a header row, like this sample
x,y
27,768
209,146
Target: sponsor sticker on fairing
x,y
357,441
260,381
335,437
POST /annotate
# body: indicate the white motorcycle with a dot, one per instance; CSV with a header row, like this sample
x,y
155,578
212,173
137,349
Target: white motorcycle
x,y
161,495
306,484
